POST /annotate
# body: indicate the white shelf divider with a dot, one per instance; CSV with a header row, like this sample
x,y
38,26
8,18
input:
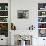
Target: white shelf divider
x,y
41,28
3,16
41,10
3,22
42,16
41,22
3,10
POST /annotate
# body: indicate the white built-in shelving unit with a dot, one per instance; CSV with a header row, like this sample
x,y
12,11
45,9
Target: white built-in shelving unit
x,y
42,18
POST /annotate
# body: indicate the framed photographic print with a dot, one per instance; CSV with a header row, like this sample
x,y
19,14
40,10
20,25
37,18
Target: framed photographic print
x,y
23,14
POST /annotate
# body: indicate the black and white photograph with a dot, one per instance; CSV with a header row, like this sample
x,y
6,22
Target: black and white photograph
x,y
23,14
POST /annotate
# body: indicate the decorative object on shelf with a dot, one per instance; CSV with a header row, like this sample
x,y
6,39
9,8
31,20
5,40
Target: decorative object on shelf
x,y
41,6
41,25
3,19
13,27
23,14
3,13
43,13
6,7
45,7
4,29
3,6
4,26
31,27
42,32
41,19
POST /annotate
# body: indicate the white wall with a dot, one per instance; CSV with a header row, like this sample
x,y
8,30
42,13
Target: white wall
x,y
32,6
23,24
3,1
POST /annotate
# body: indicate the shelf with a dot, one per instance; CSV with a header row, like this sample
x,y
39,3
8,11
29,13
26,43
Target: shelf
x,y
41,28
3,22
41,22
3,16
3,10
41,19
41,10
4,19
42,16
